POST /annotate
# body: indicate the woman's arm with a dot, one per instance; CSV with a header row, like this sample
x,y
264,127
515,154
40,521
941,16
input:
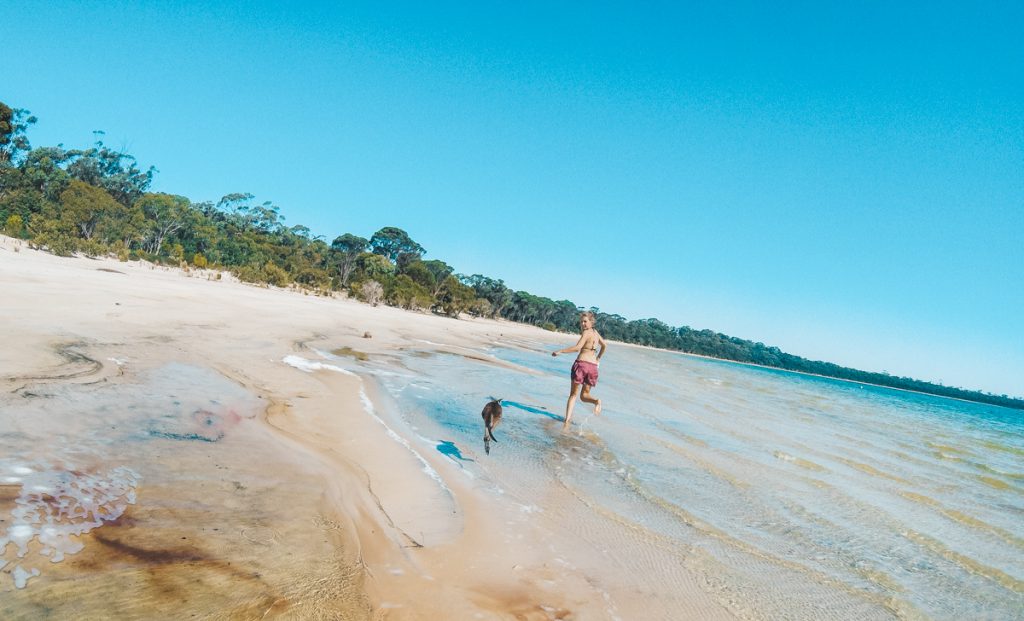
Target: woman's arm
x,y
568,350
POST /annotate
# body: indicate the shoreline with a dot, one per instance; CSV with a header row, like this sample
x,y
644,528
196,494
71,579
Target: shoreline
x,y
400,547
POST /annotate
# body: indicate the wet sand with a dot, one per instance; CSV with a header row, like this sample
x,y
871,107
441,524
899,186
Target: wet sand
x,y
260,490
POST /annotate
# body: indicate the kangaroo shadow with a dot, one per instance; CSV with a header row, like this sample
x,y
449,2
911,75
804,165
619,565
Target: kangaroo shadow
x,y
448,449
532,410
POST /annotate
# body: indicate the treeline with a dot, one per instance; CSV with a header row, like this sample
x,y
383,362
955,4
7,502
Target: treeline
x,y
97,201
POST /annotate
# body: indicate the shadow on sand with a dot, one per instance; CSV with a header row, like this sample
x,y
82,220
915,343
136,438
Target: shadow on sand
x,y
448,449
532,410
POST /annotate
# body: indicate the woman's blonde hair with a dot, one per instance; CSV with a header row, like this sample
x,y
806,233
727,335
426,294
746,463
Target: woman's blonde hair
x,y
590,315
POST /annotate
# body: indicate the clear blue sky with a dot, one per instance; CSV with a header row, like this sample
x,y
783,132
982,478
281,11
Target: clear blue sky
x,y
845,182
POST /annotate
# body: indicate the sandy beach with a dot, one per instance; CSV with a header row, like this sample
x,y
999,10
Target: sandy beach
x,y
263,484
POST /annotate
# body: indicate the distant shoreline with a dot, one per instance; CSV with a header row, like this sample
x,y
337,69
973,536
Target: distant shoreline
x,y
830,377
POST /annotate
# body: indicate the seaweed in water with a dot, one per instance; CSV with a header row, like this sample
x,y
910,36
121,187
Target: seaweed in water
x,y
169,435
348,351
205,426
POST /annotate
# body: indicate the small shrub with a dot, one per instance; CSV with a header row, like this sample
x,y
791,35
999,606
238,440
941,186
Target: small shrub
x,y
92,248
371,292
15,225
120,250
199,261
276,275
248,273
58,243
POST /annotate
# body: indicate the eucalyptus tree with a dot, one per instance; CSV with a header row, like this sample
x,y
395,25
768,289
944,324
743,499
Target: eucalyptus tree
x,y
455,297
440,272
565,315
42,169
14,124
394,243
199,233
267,218
234,202
422,276
345,250
112,170
375,266
493,290
165,214
124,225
85,206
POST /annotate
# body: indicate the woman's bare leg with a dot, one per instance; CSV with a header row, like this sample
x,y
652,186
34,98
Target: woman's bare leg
x,y
586,397
574,391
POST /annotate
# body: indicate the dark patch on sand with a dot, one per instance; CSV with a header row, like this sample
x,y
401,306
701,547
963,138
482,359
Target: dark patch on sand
x,y
348,351
80,365
302,344
150,556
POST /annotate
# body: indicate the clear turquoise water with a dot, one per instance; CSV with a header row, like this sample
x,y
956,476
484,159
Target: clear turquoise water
x,y
790,496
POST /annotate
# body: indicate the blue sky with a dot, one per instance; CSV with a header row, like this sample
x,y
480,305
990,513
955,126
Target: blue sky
x,y
845,182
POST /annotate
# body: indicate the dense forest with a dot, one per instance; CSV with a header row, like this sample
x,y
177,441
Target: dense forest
x,y
97,201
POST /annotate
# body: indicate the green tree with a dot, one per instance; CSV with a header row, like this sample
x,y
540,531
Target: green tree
x,y
115,172
85,206
346,249
455,297
422,276
402,291
23,202
41,170
375,266
440,271
14,123
481,308
493,290
47,229
267,218
165,214
393,243
124,225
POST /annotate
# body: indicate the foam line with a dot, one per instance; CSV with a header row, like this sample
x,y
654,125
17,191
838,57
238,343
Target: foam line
x,y
427,468
309,366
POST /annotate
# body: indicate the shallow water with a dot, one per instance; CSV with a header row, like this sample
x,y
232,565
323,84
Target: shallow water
x,y
787,496
161,496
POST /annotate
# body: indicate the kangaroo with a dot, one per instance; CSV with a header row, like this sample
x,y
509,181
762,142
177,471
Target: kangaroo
x,y
492,416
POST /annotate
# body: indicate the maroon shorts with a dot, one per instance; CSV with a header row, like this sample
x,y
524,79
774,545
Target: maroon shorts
x,y
584,372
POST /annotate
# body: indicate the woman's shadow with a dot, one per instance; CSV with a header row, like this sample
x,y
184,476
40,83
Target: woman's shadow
x,y
448,449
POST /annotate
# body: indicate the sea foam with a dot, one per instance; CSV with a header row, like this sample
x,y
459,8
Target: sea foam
x,y
58,504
